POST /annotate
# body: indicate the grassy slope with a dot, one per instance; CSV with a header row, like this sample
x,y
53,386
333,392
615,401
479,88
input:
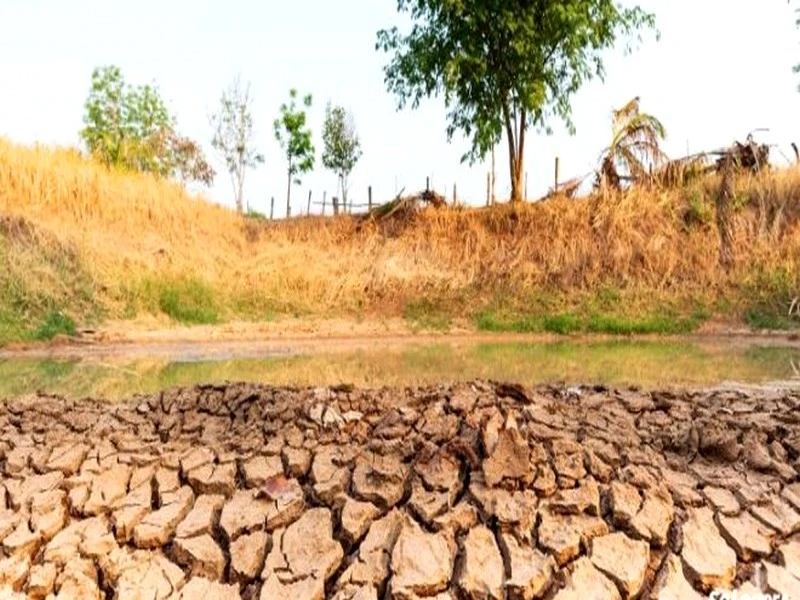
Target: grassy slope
x,y
79,244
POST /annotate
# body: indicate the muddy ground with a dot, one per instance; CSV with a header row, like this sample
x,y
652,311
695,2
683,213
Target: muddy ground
x,y
477,490
147,335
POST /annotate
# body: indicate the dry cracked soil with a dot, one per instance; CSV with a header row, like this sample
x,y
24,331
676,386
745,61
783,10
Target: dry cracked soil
x,y
474,490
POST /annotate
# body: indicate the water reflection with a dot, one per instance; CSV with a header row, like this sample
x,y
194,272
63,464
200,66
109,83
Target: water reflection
x,y
617,362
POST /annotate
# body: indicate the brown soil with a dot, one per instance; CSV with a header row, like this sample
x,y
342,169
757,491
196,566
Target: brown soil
x,y
475,490
155,336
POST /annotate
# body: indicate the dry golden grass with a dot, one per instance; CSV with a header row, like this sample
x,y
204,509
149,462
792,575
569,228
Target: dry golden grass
x,y
144,243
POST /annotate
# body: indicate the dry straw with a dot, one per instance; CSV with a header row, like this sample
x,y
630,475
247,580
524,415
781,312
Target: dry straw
x,y
129,228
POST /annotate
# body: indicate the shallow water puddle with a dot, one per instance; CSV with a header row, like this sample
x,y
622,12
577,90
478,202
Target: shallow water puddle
x,y
376,363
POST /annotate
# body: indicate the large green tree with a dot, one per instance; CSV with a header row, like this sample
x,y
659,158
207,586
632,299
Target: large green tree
x,y
342,147
294,138
504,66
131,128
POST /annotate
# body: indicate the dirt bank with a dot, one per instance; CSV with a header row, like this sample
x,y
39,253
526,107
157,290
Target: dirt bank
x,y
157,338
477,490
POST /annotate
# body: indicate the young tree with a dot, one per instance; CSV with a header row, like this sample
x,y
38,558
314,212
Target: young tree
x,y
131,128
233,135
503,65
796,67
295,141
106,119
342,145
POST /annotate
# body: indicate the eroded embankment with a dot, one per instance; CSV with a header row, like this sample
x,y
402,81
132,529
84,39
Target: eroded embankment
x,y
471,491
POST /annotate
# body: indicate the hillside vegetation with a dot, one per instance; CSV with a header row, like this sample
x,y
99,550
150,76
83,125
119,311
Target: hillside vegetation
x,y
82,244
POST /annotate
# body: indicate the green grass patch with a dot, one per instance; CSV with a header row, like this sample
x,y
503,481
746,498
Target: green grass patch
x,y
45,288
255,215
490,320
650,324
12,327
769,297
188,301
562,324
764,317
17,327
425,314
565,323
55,323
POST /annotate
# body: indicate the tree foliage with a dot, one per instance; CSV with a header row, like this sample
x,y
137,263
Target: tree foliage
x,y
796,67
131,128
294,138
233,135
503,65
635,146
342,147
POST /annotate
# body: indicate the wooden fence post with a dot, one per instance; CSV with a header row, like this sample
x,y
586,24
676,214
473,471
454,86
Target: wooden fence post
x,y
427,184
324,197
271,207
494,178
369,198
308,209
335,202
455,195
555,187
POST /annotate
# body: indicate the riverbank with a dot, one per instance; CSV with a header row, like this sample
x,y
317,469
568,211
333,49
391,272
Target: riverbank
x,y
82,247
152,335
466,489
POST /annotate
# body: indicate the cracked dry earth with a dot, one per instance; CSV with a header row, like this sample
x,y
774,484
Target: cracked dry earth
x,y
477,490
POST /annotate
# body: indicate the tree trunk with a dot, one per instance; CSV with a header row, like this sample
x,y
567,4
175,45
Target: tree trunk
x,y
515,168
237,195
517,182
289,194
343,183
239,186
515,132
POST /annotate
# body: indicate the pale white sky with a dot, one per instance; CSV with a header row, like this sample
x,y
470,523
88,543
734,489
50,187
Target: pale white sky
x,y
721,69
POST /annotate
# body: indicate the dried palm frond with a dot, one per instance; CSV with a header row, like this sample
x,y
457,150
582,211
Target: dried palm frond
x,y
406,206
680,171
565,189
634,147
570,187
621,115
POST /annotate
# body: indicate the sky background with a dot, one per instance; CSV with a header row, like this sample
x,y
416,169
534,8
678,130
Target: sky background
x,y
721,69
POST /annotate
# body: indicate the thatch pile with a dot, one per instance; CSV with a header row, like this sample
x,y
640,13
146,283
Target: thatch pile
x,y
748,156
396,214
680,171
407,206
